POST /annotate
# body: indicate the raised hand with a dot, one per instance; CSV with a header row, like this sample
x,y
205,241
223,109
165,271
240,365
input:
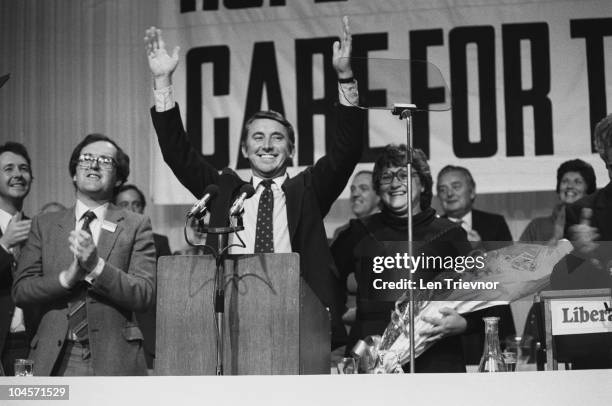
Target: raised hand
x,y
84,249
451,323
559,225
583,235
162,64
342,52
71,276
16,232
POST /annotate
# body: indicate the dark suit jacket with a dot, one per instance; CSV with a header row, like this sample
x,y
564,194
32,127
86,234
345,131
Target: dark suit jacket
x,y
587,351
7,306
146,320
309,195
162,247
601,204
126,285
575,273
490,226
374,236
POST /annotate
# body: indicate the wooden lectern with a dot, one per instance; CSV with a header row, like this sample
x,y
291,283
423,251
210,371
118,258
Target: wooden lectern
x,y
274,323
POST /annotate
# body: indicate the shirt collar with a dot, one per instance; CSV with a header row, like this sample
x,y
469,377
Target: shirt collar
x,y
466,220
5,217
81,208
277,181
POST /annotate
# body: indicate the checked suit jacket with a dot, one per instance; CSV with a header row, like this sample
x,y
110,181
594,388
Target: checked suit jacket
x,y
126,285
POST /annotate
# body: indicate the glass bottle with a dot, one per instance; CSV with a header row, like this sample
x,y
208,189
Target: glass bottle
x,y
492,359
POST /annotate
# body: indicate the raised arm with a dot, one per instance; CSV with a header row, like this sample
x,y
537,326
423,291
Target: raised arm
x,y
332,172
188,165
341,54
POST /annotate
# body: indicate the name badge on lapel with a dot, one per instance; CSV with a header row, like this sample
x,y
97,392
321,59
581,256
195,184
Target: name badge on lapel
x,y
109,226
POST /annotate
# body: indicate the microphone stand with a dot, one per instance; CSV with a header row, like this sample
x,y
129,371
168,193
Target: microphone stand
x,y
404,111
220,254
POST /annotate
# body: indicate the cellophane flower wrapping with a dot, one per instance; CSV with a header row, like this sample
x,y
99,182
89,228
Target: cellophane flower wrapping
x,y
521,269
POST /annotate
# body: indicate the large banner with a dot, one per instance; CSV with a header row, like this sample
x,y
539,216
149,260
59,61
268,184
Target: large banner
x,y
528,78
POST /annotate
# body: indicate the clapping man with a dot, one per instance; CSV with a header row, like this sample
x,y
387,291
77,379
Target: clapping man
x,y
89,268
15,181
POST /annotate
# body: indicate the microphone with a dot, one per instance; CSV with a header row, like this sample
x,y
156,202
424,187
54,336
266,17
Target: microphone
x,y
198,209
246,191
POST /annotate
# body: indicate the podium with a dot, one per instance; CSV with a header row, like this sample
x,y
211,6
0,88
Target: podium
x,y
274,323
578,326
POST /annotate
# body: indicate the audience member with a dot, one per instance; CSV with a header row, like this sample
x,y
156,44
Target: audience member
x,y
588,226
575,179
89,268
15,323
457,191
364,200
131,198
291,208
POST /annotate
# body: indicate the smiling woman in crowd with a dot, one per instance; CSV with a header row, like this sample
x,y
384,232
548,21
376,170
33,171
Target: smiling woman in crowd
x,y
575,179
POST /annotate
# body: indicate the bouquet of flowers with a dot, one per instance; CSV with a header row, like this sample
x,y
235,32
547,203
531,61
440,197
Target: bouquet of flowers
x,y
520,270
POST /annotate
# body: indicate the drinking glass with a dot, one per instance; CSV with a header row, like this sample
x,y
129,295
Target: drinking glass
x,y
347,365
24,367
510,360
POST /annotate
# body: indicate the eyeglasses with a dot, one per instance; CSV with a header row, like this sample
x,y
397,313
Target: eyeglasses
x,y
387,177
86,161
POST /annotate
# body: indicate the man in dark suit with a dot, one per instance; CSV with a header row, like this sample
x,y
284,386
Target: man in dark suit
x,y
15,181
589,220
89,268
588,224
285,214
457,191
129,197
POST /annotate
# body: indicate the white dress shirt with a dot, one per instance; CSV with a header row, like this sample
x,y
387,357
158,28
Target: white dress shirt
x,y
96,224
465,221
96,227
282,242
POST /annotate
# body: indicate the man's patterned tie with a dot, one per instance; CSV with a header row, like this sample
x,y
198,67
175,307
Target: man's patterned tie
x,y
77,312
264,237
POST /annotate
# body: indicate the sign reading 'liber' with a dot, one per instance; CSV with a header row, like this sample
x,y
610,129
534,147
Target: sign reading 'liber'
x,y
581,316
